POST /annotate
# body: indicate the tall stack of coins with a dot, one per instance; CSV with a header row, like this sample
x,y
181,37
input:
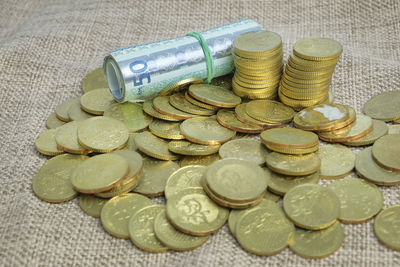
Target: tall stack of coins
x,y
258,60
307,78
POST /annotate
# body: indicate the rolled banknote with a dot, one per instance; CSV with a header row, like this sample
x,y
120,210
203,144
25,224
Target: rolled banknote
x,y
140,72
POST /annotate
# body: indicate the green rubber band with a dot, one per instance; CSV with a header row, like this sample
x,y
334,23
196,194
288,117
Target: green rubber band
x,y
207,55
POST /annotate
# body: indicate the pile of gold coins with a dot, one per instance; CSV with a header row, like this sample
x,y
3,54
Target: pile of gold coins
x,y
307,77
258,60
184,145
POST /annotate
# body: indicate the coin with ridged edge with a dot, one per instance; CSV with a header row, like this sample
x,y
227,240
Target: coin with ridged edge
x,y
97,101
92,205
178,101
149,109
386,227
162,105
199,160
241,114
185,177
295,165
317,49
94,79
199,103
380,129
67,138
257,42
247,149
166,129
228,119
384,106
53,122
76,113
153,146
269,111
179,85
46,144
292,151
337,161
214,95
393,129
386,151
62,109
192,149
289,138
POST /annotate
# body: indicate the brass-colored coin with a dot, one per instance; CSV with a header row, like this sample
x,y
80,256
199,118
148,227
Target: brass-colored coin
x,y
131,143
264,231
131,114
153,146
117,211
324,80
337,161
228,119
251,61
269,111
192,149
312,63
396,120
292,151
386,227
317,244
199,103
76,113
179,86
247,149
46,144
295,165
301,96
301,103
321,116
53,122
342,124
311,206
94,80
166,129
311,86
384,106
379,129
359,200
141,229
178,101
386,151
270,74
361,127
92,205
62,109
280,184
236,180
272,196
257,42
241,114
148,108
214,95
162,105
302,74
270,83
317,49
67,138
173,238
289,138
192,212
53,181
199,160
97,101
99,173
393,129
154,176
185,177
310,68
206,131
223,81
254,94
102,134
367,168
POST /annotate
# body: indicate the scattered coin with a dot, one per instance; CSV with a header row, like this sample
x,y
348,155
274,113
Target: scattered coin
x,y
131,143
92,205
199,160
166,129
199,103
386,227
178,101
228,119
386,151
384,106
94,80
290,138
97,101
380,129
295,165
62,109
46,144
131,114
192,149
67,138
153,146
148,108
241,114
75,112
246,149
53,122
269,111
337,161
214,95
185,177
180,85
162,105
394,129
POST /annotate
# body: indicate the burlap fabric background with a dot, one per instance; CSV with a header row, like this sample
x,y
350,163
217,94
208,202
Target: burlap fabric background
x,y
47,47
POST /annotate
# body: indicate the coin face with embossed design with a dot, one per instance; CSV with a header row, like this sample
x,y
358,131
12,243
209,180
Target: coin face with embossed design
x,y
153,146
92,205
337,161
46,144
386,151
269,111
178,101
295,165
247,149
97,101
387,227
67,138
228,119
199,160
384,106
192,149
185,177
166,129
94,80
214,95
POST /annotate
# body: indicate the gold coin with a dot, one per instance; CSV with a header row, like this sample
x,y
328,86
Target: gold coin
x,y
247,149
192,212
386,151
270,74
192,149
117,211
311,206
185,177
272,196
162,105
199,160
228,119
92,205
386,227
53,122
270,83
257,42
97,101
302,74
153,146
324,80
312,63
317,49
206,131
384,106
311,68
148,108
214,95
299,103
154,176
337,161
367,168
380,129
269,111
224,81
264,231
241,114
75,112
359,200
99,173
46,144
62,109
396,120
264,82
342,124
295,165
199,103
310,86
131,143
173,238
53,181
292,151
179,85
131,114
317,244
289,138
67,138
94,80
280,184
236,180
166,129
141,229
102,134
393,129
301,96
253,94
178,101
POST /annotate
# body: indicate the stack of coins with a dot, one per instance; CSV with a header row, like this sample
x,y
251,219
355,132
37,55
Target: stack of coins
x,y
258,60
307,78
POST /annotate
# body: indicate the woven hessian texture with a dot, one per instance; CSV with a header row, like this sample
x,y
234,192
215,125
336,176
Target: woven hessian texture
x,y
47,47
